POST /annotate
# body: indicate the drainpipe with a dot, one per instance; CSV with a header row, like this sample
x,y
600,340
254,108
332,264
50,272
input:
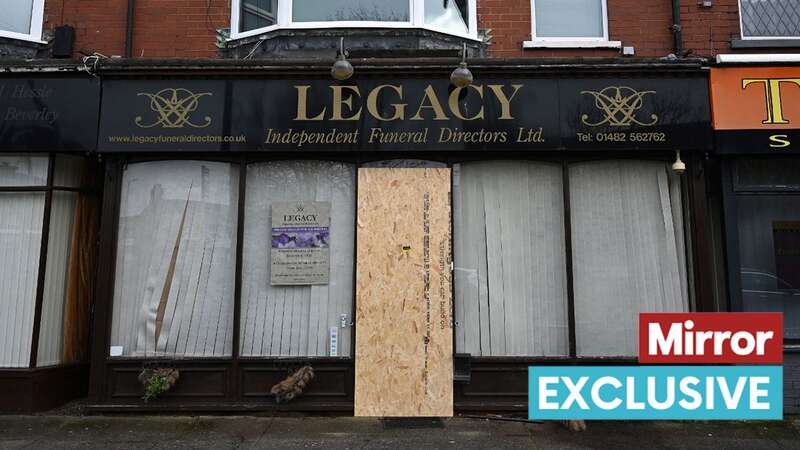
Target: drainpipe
x,y
676,28
129,29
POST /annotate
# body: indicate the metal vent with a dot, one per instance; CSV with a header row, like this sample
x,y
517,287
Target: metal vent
x,y
770,18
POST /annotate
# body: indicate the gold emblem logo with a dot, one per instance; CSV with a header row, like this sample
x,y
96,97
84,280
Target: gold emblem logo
x,y
620,105
173,108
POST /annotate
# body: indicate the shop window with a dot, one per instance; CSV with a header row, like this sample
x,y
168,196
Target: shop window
x,y
176,260
770,19
628,251
509,252
457,17
569,23
22,19
511,284
769,256
296,320
68,271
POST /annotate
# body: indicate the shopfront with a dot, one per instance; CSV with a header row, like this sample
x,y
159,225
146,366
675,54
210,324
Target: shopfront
x,y
49,211
756,121
397,235
418,245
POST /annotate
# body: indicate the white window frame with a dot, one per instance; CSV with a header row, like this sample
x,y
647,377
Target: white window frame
x,y
37,21
759,38
416,20
570,42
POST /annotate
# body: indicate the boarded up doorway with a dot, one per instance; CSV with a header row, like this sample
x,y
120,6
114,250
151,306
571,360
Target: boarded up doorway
x,y
404,333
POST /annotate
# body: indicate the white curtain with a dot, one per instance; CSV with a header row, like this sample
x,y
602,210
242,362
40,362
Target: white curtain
x,y
176,253
59,244
20,242
510,273
628,251
295,320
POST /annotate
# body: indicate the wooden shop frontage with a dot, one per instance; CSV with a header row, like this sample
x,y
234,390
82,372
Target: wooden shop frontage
x,y
402,246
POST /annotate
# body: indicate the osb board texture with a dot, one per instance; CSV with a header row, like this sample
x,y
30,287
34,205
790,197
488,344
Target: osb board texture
x,y
404,333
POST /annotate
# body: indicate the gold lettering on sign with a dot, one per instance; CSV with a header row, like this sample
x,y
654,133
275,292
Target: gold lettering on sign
x,y
779,141
619,105
339,101
456,109
772,96
433,103
173,108
505,101
302,105
372,103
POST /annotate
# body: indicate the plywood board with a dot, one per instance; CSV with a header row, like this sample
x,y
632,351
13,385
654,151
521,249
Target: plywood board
x,y
404,332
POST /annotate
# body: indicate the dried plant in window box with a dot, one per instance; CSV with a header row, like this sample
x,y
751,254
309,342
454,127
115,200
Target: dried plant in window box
x,y
157,380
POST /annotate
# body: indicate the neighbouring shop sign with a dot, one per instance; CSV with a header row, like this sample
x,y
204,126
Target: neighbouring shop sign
x,y
300,243
413,114
756,109
49,114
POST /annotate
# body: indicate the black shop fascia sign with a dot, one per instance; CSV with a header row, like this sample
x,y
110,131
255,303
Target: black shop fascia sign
x,y
49,113
412,115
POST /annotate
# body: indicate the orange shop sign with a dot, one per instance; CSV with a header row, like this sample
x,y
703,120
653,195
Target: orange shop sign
x,y
765,101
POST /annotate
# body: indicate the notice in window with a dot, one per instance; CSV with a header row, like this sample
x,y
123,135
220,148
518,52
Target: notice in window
x,y
786,236
300,243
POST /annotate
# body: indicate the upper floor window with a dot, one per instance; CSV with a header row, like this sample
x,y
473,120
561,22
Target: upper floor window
x,y
251,17
770,19
569,23
22,19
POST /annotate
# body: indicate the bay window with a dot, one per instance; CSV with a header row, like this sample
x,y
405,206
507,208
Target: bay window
x,y
251,17
22,19
569,24
621,239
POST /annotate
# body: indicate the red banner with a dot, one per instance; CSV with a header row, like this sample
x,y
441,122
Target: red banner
x,y
712,338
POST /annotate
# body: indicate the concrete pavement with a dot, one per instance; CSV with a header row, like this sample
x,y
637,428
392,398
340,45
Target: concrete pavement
x,y
168,432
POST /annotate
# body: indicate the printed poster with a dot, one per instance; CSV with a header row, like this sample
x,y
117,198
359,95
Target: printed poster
x,y
300,243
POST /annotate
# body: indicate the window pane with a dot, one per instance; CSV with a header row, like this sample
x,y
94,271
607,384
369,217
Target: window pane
x,y
20,242
628,251
510,272
770,18
569,18
69,171
176,263
296,320
258,14
62,221
767,173
769,254
16,16
341,10
447,15
23,170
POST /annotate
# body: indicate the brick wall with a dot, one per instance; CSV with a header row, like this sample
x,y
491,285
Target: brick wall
x,y
643,24
162,28
185,28
708,31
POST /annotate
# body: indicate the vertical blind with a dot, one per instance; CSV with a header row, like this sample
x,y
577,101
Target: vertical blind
x,y
176,260
628,251
295,320
510,273
21,217
628,255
